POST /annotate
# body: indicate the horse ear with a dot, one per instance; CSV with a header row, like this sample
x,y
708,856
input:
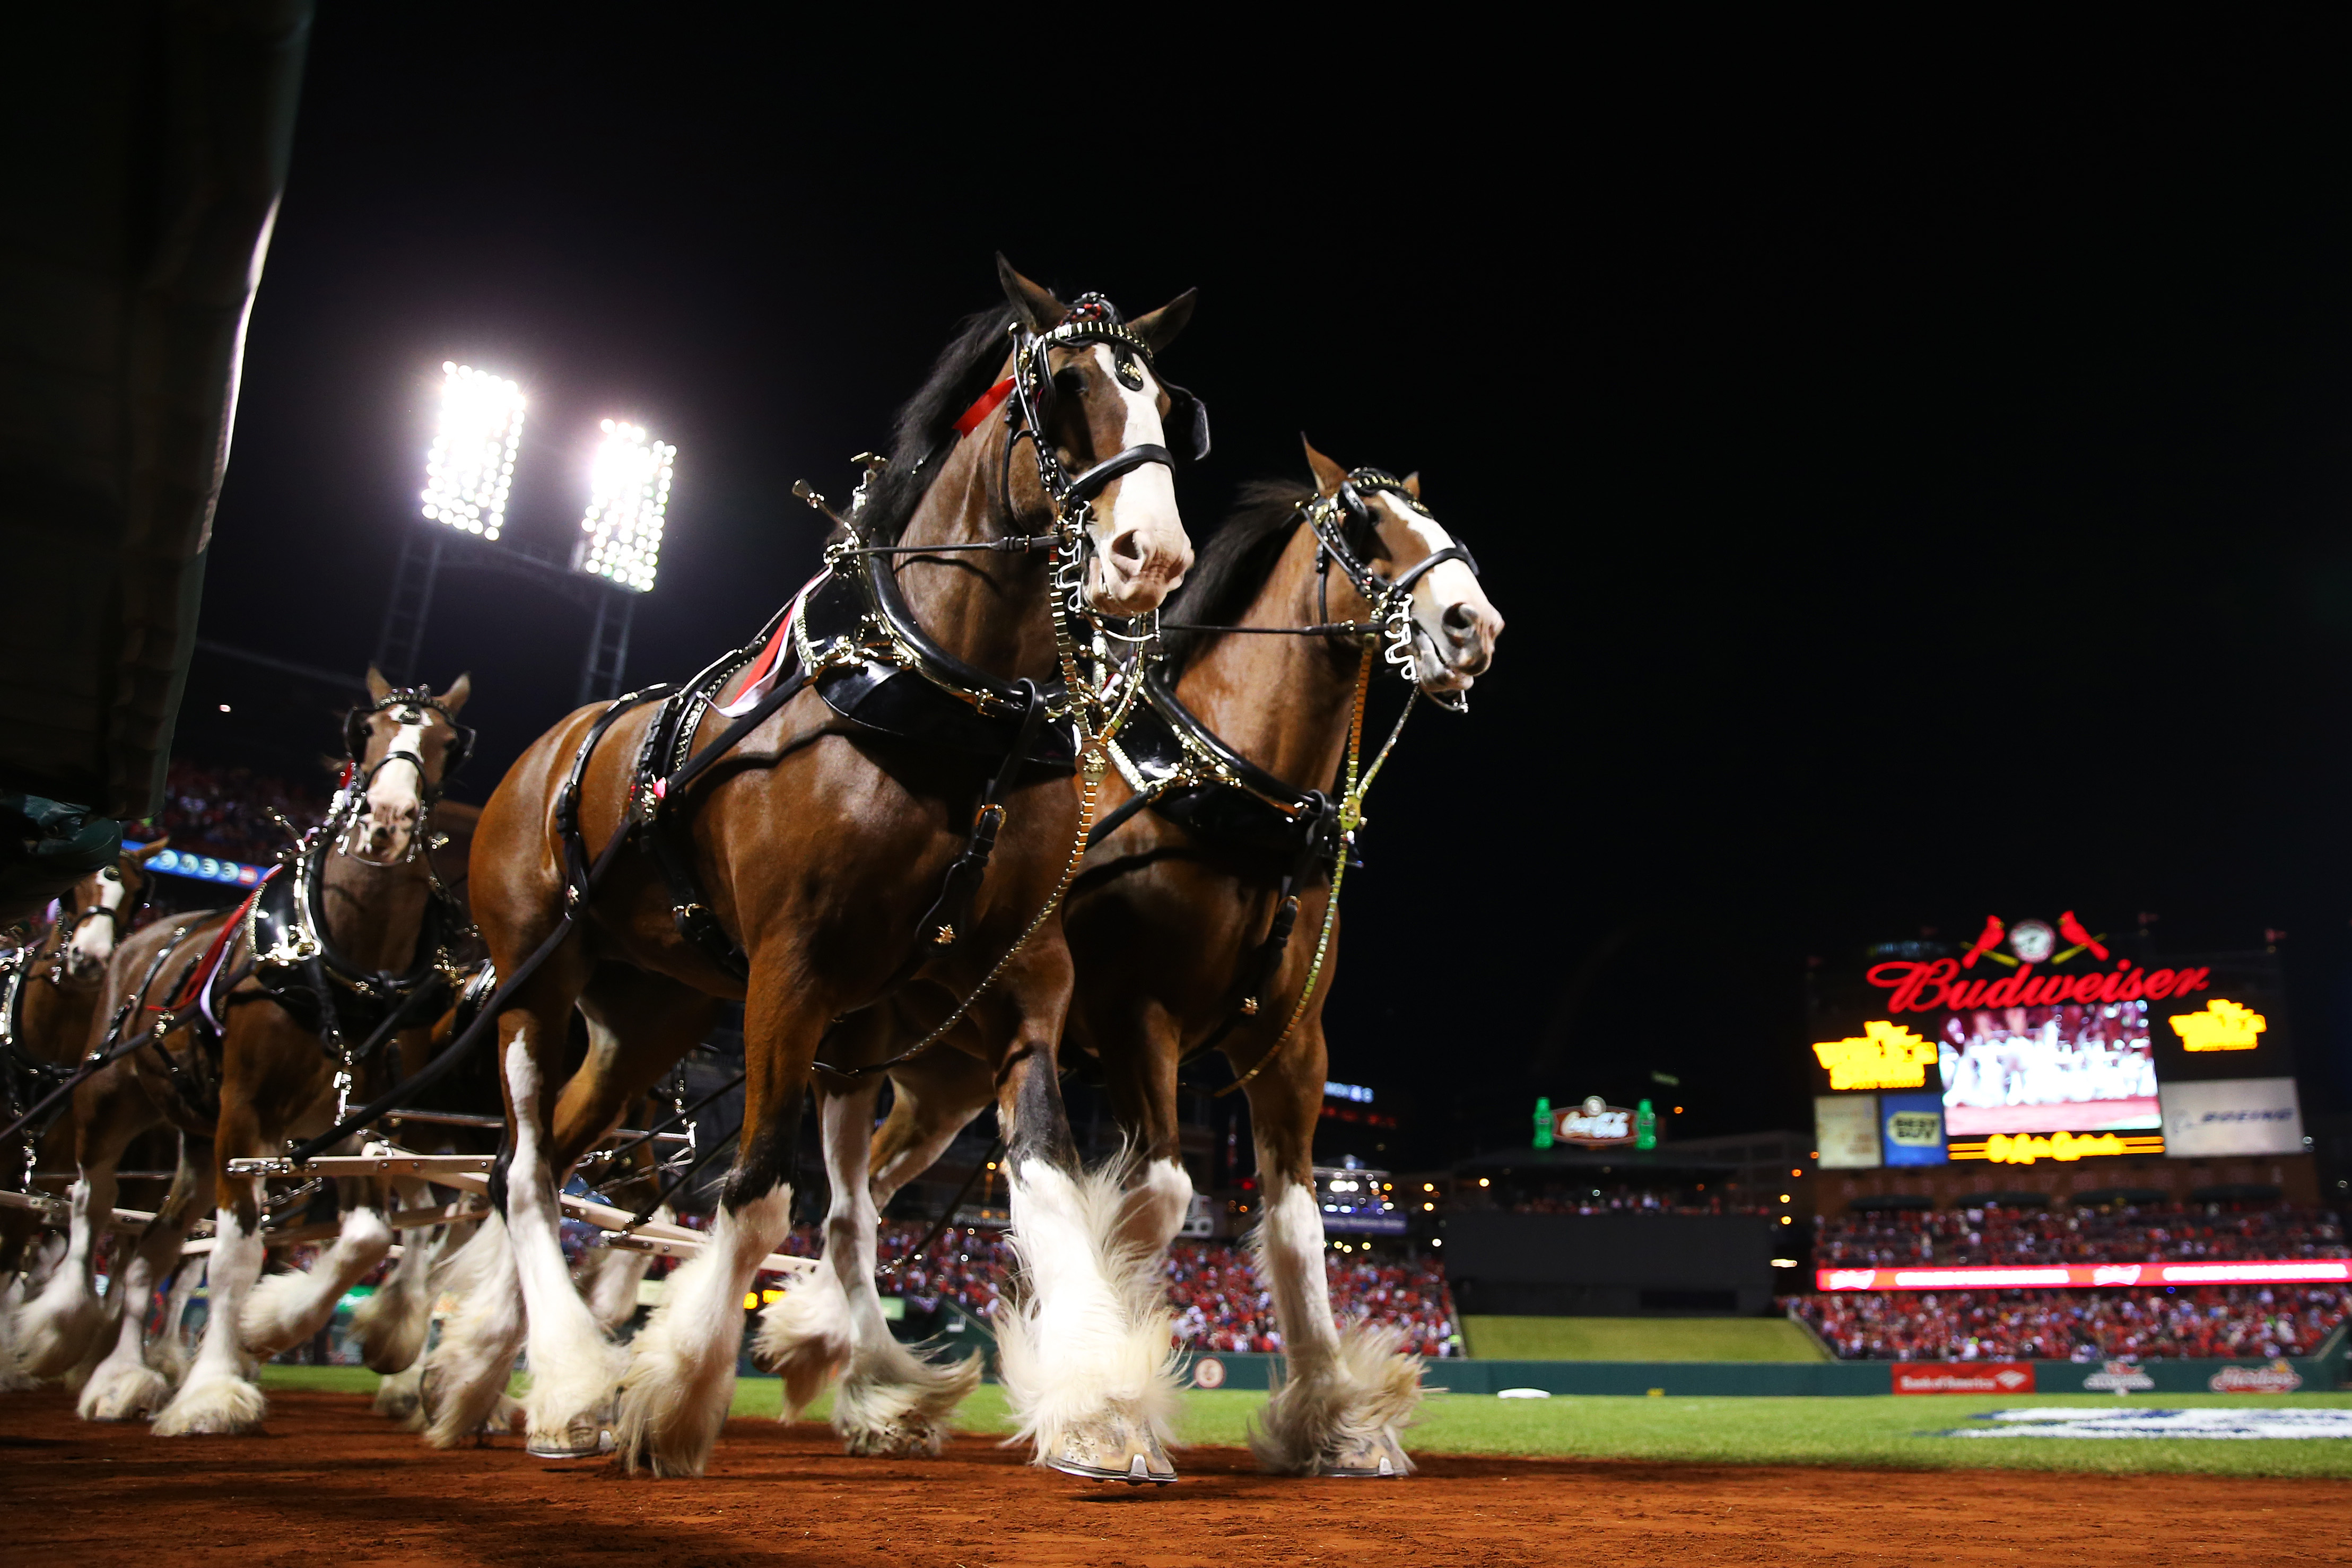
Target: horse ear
x,y
1037,305
1412,484
454,698
1159,328
1328,475
160,845
378,687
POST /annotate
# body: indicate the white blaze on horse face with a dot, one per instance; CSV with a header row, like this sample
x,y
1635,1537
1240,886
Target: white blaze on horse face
x,y
1456,621
93,938
395,797
1141,549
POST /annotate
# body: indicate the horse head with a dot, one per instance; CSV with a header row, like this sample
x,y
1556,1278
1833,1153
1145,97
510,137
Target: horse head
x,y
102,904
1454,626
1098,400
401,749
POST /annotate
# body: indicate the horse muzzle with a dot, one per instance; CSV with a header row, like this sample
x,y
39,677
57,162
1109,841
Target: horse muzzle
x,y
1135,568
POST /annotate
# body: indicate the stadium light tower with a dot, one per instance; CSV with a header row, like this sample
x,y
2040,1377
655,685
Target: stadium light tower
x,y
628,496
471,465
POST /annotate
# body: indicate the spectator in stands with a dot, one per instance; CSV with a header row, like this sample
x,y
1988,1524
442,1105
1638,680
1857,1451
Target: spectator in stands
x,y
2116,1235
2077,1325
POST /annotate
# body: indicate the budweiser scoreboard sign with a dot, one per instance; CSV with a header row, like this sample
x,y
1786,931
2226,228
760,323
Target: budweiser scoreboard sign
x,y
2043,1038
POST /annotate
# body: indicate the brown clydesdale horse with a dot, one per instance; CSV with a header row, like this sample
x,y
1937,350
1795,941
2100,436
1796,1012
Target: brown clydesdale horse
x,y
1168,925
818,845
48,990
250,1074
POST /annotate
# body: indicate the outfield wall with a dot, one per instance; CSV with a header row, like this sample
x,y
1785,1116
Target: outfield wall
x,y
1721,1378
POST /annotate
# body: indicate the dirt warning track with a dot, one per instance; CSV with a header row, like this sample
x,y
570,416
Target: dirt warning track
x,y
331,1486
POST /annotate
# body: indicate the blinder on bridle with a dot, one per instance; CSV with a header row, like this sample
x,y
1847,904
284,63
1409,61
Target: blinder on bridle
x,y
417,700
1094,319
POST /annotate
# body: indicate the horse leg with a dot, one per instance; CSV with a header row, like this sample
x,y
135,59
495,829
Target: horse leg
x,y
54,1330
1085,1351
218,1398
288,1308
639,1024
892,1401
465,1374
390,1324
123,1387
681,1373
1141,1081
1346,1393
169,1352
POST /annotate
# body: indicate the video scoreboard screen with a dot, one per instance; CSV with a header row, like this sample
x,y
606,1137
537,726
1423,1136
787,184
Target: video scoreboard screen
x,y
2042,1037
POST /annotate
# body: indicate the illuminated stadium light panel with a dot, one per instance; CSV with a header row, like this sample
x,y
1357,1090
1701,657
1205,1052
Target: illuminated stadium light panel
x,y
628,497
471,465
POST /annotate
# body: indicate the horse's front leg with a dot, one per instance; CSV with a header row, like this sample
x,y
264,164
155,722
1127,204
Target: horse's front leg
x,y
123,1386
1347,1392
217,1398
1085,1350
681,1375
288,1308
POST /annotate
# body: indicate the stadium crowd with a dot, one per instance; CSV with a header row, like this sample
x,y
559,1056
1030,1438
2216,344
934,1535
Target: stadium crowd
x,y
1584,1199
225,811
2076,1325
2119,1235
1213,1287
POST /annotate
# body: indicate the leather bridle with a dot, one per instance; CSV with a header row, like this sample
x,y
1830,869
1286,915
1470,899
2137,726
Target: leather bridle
x,y
359,776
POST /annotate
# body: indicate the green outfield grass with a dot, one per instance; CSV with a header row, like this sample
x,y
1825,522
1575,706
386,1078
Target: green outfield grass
x,y
1884,1431
1639,1338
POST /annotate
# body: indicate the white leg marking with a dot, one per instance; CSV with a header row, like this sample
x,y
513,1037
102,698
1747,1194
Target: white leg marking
x,y
53,1333
681,1375
284,1309
573,1365
466,1374
1086,1349
217,1398
392,1324
123,1387
1346,1395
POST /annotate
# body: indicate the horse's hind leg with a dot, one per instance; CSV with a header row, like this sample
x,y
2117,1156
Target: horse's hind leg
x,y
123,1387
390,1324
1085,1351
168,1352
59,1325
681,1372
892,1402
1347,1392
638,1026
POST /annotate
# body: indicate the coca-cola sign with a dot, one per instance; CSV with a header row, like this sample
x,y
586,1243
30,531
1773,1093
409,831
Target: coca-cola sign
x,y
1595,1124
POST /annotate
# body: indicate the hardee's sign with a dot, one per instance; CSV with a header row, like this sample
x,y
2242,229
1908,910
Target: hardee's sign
x,y
1933,985
1885,1056
2223,1025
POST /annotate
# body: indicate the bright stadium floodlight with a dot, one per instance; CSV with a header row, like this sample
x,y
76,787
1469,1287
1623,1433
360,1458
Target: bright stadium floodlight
x,y
471,466
627,498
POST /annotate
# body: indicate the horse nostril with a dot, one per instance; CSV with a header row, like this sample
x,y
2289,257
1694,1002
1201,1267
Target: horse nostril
x,y
1460,620
1127,549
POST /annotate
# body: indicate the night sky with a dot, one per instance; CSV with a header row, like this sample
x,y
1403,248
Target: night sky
x,y
1918,487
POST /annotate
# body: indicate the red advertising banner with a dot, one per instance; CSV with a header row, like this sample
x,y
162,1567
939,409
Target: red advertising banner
x,y
1964,1377
2064,1275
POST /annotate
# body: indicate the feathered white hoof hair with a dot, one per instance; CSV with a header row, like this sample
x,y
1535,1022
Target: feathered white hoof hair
x,y
681,1375
806,1338
54,1332
466,1374
1342,1418
213,1405
284,1309
895,1404
122,1389
1084,1352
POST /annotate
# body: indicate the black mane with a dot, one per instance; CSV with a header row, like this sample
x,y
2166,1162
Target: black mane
x,y
1233,565
965,369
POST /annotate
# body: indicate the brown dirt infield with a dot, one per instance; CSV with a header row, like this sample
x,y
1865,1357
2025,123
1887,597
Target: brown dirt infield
x,y
331,1486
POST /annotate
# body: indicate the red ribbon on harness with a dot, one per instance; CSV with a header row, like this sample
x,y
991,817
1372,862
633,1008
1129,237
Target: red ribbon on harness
x,y
209,965
984,408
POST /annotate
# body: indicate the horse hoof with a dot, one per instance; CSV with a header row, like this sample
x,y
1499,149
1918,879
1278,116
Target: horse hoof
x,y
581,1439
1376,1459
215,1407
1113,1450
